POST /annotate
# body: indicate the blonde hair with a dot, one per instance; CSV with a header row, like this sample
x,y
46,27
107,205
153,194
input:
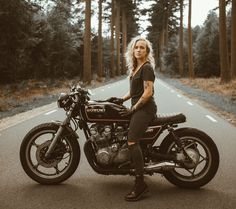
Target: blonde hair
x,y
131,61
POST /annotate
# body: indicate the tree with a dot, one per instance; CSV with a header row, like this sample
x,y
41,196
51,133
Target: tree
x,y
233,39
112,66
181,67
100,72
163,20
190,42
40,49
87,43
61,47
16,17
206,48
124,40
117,32
224,62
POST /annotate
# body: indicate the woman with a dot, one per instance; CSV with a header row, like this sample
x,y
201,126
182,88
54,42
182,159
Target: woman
x,y
140,62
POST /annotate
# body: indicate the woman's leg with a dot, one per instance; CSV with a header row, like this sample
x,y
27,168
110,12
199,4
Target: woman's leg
x,y
137,127
140,186
137,157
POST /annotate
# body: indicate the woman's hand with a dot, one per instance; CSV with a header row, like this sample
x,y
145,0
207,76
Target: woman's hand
x,y
115,100
127,111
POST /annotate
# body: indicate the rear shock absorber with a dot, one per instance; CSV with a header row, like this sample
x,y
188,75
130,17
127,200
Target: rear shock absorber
x,y
180,143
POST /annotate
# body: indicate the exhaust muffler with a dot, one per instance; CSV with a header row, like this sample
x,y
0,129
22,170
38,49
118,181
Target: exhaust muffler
x,y
162,166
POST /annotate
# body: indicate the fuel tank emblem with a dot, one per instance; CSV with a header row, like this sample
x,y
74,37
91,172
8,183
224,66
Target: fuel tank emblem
x,y
149,130
96,110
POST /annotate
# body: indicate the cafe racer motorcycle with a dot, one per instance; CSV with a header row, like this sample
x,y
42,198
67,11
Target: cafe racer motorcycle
x,y
50,152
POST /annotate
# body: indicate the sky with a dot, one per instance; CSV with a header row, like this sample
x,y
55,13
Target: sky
x,y
200,9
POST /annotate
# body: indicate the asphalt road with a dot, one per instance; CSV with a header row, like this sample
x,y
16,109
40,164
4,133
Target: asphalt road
x,y
86,189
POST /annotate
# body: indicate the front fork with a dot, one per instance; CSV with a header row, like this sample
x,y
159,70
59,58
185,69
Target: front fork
x,y
62,127
54,141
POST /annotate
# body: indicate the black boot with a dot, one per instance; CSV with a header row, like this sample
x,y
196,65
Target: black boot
x,y
138,190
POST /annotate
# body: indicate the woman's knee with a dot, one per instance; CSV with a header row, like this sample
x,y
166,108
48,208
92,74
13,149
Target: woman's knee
x,y
130,143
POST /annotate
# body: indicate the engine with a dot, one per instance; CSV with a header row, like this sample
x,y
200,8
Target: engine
x,y
110,143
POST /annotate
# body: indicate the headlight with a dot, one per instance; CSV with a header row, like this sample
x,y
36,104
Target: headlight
x,y
64,101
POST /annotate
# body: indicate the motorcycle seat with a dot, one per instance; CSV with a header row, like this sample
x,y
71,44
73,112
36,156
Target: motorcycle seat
x,y
170,118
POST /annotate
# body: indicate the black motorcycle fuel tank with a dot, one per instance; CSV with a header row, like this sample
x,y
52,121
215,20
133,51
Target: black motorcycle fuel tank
x,y
103,111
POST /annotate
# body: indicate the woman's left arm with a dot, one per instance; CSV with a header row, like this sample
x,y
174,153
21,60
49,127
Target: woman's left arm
x,y
147,94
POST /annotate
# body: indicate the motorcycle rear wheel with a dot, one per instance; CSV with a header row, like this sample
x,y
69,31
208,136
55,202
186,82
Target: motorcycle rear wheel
x,y
60,166
203,150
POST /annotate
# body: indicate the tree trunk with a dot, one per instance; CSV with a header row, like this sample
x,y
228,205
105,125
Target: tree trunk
x,y
161,48
167,26
190,42
87,43
112,40
233,39
100,73
124,40
117,37
224,62
181,41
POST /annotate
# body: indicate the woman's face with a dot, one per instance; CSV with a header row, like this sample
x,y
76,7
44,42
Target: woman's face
x,y
140,50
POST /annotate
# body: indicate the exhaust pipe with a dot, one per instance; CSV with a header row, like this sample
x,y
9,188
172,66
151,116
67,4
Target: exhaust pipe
x,y
162,166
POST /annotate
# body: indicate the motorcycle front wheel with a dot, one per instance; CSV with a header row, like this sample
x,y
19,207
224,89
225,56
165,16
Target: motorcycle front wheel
x,y
201,148
60,165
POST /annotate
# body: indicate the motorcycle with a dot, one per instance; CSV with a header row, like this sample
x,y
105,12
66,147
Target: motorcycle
x,y
50,152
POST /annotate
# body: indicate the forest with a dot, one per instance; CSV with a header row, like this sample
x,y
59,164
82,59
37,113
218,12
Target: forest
x,y
41,39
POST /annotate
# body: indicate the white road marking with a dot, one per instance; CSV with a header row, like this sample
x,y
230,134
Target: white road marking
x,y
172,91
178,95
102,90
211,118
190,103
48,113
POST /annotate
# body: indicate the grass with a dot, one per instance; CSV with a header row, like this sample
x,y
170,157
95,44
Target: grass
x,y
13,95
213,85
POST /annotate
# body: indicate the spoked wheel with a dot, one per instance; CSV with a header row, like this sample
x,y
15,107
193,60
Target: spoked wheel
x,y
204,162
56,168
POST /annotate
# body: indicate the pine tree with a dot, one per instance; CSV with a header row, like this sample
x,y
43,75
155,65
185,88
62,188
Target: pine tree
x,y
181,67
224,62
206,48
233,39
87,44
100,72
190,42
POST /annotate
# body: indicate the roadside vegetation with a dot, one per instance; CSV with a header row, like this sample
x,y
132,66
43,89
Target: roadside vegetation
x,y
213,85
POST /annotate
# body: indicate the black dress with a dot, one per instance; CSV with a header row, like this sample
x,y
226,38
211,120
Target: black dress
x,y
143,116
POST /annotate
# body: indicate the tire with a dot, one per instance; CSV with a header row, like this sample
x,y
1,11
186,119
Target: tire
x,y
49,171
201,146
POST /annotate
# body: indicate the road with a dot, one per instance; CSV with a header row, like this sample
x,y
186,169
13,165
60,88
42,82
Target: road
x,y
86,189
